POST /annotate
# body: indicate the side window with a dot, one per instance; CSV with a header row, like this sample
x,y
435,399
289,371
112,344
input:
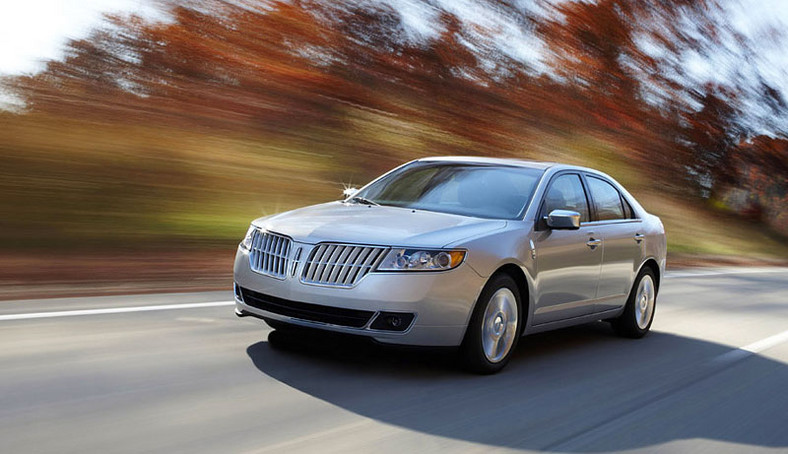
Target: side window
x,y
630,213
607,200
566,193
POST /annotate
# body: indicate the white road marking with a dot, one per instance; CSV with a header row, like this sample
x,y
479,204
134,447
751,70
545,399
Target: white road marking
x,y
724,272
121,310
113,310
752,349
278,447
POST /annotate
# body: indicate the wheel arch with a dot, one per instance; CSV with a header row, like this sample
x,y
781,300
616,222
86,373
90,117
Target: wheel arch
x,y
523,282
523,286
652,264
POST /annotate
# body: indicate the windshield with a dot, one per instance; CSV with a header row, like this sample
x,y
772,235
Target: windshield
x,y
485,191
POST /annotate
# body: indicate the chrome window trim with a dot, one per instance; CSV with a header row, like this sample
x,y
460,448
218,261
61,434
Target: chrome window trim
x,y
610,221
548,180
586,194
540,190
551,173
622,199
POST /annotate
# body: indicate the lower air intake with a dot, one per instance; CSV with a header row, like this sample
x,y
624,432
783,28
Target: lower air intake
x,y
351,318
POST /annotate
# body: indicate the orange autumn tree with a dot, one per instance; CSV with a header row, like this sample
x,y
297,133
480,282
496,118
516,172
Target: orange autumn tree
x,y
321,70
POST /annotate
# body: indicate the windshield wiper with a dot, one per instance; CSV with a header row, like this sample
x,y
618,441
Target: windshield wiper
x,y
364,200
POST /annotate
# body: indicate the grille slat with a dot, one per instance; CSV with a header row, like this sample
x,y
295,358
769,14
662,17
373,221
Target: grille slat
x,y
340,265
270,254
260,246
347,267
343,260
326,253
283,261
263,256
264,252
269,249
336,263
269,258
274,267
314,267
296,259
308,266
278,262
354,273
330,263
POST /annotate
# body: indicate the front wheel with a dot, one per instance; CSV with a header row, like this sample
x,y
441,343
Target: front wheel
x,y
494,328
638,314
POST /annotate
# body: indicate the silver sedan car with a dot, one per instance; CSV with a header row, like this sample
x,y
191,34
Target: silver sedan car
x,y
467,252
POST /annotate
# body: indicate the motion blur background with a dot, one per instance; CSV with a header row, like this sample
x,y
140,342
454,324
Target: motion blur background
x,y
135,155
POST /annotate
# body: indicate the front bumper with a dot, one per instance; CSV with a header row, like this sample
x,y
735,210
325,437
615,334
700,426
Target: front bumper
x,y
440,301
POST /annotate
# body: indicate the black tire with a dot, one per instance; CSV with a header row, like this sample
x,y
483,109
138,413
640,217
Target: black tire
x,y
626,325
472,349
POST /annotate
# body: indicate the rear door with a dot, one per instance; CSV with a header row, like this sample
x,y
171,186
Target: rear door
x,y
621,236
567,261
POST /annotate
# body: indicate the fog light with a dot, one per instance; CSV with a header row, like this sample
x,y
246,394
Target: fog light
x,y
393,321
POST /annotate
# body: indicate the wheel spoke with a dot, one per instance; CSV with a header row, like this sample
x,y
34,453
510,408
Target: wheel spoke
x,y
644,302
499,325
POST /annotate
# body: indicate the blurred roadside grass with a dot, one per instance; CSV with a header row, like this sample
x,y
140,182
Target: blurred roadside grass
x,y
76,184
72,185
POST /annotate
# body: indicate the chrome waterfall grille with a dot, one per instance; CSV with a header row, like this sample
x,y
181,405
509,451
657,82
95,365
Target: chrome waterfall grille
x,y
270,254
340,265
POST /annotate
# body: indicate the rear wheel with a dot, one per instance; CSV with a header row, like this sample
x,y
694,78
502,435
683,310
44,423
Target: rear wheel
x,y
494,328
638,314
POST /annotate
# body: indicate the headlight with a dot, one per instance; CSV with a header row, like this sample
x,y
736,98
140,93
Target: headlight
x,y
246,244
399,259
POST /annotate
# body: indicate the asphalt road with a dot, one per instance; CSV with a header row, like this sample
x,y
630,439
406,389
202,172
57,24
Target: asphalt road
x,y
711,377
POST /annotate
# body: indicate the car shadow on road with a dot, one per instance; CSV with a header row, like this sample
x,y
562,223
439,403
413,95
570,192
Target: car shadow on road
x,y
580,389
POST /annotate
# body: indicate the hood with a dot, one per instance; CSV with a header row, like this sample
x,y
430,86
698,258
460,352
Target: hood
x,y
379,225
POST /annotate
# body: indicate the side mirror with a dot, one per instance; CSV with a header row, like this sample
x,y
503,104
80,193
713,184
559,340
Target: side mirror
x,y
563,220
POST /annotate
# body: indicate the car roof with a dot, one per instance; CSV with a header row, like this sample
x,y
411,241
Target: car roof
x,y
503,161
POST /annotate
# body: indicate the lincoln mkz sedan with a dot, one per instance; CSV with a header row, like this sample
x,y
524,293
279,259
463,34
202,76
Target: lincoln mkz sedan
x,y
466,252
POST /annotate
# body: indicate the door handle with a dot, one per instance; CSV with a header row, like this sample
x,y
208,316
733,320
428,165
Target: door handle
x,y
639,237
593,243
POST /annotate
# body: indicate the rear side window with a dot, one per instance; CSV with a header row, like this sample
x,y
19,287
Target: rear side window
x,y
607,200
628,208
566,193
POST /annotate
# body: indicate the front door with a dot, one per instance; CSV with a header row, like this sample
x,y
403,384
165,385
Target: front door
x,y
567,261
